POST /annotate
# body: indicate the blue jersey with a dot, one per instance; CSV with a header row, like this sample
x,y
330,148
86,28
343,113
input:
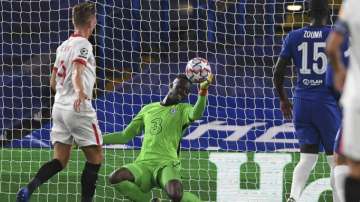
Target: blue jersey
x,y
329,73
306,47
316,113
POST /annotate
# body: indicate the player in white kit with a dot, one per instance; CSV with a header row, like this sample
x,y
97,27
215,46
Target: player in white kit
x,y
74,119
349,23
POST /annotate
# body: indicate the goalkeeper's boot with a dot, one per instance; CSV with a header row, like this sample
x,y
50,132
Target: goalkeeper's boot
x,y
23,195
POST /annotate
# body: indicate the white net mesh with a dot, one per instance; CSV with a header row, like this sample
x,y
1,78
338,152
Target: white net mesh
x,y
140,45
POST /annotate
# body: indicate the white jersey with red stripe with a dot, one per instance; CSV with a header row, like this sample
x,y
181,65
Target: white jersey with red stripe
x,y
75,49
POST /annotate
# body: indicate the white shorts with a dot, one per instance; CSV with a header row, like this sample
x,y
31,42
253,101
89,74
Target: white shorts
x,y
70,126
349,145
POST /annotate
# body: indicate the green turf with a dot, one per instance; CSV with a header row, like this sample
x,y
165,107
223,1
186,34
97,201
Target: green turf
x,y
17,166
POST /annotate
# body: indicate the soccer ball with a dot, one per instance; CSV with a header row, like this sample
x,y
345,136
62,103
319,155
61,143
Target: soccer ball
x,y
197,70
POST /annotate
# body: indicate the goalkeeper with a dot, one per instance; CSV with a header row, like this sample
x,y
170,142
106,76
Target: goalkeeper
x,y
158,163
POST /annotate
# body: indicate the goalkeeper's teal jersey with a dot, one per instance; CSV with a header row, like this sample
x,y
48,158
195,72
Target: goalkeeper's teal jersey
x,y
163,129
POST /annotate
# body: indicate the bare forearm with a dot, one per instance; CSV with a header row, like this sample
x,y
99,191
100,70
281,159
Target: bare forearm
x,y
53,79
280,88
279,77
76,78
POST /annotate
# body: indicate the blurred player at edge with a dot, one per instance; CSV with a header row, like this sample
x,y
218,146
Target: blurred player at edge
x,y
348,23
158,164
338,38
316,113
74,119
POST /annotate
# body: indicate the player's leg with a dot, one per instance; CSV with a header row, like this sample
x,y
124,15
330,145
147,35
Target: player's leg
x,y
341,169
309,147
350,148
352,182
327,121
133,181
50,168
89,175
62,141
302,170
169,179
87,136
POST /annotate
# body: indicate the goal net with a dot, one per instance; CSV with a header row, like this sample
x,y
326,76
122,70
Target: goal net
x,y
241,150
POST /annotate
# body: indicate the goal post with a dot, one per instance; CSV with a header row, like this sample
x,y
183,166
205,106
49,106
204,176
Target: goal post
x,y
231,154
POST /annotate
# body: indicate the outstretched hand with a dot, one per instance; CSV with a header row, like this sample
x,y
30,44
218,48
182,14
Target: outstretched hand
x,y
205,84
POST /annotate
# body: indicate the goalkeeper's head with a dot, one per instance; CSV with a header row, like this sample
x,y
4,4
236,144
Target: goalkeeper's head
x,y
84,17
319,9
179,88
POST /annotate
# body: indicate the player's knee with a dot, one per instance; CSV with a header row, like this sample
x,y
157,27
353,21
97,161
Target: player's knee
x,y
98,158
354,168
63,162
339,159
309,148
120,175
94,154
174,190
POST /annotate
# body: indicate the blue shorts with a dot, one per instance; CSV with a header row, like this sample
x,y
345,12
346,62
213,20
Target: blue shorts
x,y
338,138
316,122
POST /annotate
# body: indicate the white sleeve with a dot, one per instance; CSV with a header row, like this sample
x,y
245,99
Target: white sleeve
x,y
81,52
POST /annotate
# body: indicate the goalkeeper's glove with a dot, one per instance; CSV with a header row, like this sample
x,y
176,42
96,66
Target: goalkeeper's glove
x,y
205,85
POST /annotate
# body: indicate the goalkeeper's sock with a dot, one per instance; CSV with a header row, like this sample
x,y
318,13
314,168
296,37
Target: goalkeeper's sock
x,y
88,181
340,173
189,197
301,174
132,191
352,187
46,171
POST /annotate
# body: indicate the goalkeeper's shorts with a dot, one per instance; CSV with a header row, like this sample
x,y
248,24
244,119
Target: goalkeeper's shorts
x,y
148,176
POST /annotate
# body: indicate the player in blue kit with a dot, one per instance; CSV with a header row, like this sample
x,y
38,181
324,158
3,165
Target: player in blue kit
x,y
316,113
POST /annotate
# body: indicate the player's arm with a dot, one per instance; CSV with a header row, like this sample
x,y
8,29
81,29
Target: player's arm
x,y
334,52
78,84
54,70
279,77
53,78
199,107
134,128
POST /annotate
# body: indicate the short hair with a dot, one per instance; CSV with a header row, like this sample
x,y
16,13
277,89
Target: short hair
x,y
319,9
183,76
82,13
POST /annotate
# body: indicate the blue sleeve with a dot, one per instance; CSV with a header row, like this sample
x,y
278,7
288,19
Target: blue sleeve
x,y
341,27
286,48
346,51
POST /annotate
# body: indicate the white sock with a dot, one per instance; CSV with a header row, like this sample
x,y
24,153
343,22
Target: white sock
x,y
330,160
340,173
301,173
